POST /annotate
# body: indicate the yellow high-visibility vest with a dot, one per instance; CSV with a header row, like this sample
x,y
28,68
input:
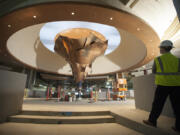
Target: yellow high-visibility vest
x,y
167,70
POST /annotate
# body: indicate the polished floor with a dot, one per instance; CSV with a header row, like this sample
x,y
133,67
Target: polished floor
x,y
128,120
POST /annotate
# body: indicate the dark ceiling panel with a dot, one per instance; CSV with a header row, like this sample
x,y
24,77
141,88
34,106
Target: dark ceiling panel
x,y
7,5
124,1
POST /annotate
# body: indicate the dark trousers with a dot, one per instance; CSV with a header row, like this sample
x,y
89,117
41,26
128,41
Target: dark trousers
x,y
161,94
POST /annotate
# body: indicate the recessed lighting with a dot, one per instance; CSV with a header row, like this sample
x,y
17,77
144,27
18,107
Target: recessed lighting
x,y
150,40
111,18
138,29
72,13
9,26
34,16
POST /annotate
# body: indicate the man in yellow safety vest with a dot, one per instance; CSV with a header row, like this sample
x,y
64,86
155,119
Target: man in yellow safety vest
x,y
167,78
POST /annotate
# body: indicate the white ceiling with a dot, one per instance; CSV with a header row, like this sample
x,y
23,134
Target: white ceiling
x,y
159,14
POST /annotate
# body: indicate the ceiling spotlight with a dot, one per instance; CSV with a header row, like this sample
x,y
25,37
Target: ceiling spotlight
x,y
111,18
150,40
9,26
34,16
138,29
72,13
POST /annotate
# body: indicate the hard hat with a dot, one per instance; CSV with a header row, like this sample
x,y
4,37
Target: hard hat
x,y
166,43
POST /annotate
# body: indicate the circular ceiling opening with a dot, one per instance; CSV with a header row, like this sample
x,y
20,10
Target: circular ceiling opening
x,y
77,33
50,30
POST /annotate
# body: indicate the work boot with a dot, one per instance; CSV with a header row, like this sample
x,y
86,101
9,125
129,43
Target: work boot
x,y
147,122
176,130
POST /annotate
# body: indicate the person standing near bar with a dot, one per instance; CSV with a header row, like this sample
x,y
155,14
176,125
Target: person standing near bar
x,y
167,78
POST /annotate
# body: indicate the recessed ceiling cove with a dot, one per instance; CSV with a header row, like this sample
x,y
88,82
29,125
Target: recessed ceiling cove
x,y
21,29
30,51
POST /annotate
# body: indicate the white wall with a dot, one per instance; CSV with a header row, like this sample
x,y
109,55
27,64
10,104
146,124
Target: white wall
x,y
144,88
11,93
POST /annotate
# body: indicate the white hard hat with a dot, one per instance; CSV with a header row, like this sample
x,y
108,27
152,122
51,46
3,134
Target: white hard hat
x,y
166,43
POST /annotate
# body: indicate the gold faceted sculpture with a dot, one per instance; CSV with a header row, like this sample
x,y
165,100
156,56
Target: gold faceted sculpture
x,y
80,47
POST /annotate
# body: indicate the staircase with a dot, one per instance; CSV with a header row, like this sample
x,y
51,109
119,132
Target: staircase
x,y
50,117
131,119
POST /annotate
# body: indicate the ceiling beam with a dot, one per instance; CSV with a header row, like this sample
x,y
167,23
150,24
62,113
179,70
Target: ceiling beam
x,y
134,3
172,29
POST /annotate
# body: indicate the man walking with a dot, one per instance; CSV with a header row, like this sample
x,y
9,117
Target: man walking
x,y
167,78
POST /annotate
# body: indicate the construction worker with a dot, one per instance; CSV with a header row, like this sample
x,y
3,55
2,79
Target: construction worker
x,y
167,78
